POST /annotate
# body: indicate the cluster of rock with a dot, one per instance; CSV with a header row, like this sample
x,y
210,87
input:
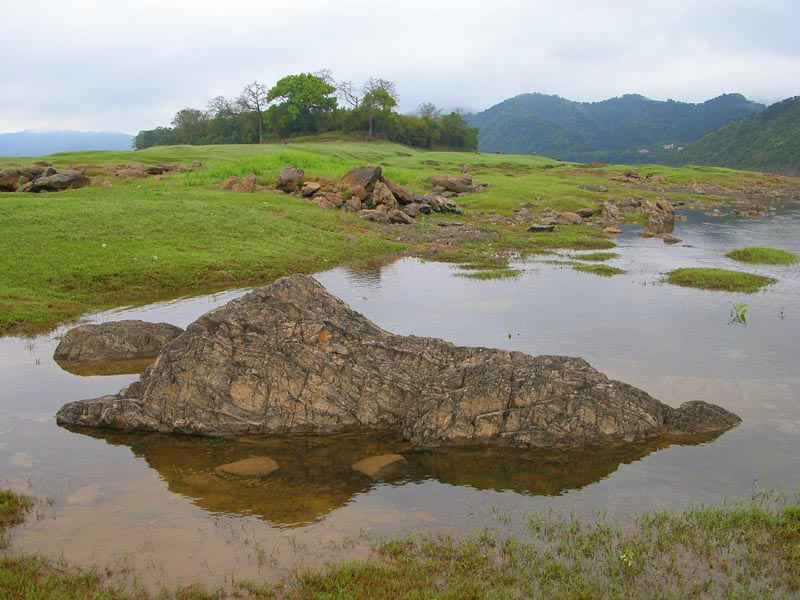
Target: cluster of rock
x,y
634,177
291,357
363,190
42,176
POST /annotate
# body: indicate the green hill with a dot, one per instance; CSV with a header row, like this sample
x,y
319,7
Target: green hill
x,y
768,141
613,130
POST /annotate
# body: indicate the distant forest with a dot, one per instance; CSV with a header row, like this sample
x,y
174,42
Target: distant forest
x,y
309,104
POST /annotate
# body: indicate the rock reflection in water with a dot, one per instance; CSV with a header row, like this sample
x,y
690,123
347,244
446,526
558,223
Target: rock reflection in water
x,y
315,474
131,366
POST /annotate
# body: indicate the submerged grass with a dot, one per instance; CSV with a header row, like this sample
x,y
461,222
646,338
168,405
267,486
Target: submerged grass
x,y
596,256
719,279
745,551
603,270
763,256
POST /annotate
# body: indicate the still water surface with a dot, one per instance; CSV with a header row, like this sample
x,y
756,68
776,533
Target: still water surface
x,y
154,503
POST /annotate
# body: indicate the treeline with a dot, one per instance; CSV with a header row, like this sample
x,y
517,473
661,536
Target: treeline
x,y
308,104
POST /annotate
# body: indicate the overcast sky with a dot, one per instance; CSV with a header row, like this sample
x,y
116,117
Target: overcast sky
x,y
116,65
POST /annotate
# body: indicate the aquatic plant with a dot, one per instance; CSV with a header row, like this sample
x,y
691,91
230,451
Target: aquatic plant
x,y
763,256
705,278
738,312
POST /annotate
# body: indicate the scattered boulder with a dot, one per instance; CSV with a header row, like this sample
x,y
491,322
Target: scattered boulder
x,y
290,179
9,180
670,239
402,195
450,183
373,465
594,188
115,340
70,180
660,212
569,218
376,216
399,217
541,228
292,357
610,212
310,188
365,176
247,184
585,213
256,466
359,192
383,196
521,215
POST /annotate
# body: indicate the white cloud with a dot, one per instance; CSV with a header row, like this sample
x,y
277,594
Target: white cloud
x,y
127,66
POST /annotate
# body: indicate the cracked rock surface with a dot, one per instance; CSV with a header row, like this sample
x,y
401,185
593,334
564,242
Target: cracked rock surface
x,y
291,357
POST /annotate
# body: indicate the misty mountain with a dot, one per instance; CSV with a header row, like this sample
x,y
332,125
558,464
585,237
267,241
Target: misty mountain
x,y
40,143
625,129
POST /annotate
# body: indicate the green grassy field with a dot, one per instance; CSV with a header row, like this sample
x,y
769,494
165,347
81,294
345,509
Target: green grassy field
x,y
145,239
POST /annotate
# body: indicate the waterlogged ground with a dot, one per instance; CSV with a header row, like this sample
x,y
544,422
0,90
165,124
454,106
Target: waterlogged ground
x,y
153,503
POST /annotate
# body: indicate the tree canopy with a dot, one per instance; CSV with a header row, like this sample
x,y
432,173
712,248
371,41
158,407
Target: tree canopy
x,y
306,103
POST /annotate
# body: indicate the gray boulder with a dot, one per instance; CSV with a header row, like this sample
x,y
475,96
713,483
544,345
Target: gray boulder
x,y
365,176
293,358
60,181
450,183
289,179
9,180
115,340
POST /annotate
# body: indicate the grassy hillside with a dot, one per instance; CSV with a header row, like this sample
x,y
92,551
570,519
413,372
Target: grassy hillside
x,y
768,141
143,239
613,130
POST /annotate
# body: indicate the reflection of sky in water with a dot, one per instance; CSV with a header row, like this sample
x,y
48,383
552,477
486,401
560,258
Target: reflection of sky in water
x,y
673,342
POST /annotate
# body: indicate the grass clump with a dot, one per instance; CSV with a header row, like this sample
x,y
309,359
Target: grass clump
x,y
596,256
763,256
488,274
602,270
718,279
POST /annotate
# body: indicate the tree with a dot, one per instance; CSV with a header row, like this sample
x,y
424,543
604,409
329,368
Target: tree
x,y
428,110
300,100
188,126
380,97
253,98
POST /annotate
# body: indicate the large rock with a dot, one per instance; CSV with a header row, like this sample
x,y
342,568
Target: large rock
x,y
60,181
289,179
660,213
401,194
115,340
9,180
365,176
291,357
450,183
382,195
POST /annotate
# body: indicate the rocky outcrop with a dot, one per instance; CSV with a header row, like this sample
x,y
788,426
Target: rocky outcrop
x,y
44,177
115,340
291,357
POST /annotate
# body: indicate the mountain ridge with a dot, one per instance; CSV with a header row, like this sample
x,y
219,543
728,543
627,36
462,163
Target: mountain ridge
x,y
619,129
41,143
